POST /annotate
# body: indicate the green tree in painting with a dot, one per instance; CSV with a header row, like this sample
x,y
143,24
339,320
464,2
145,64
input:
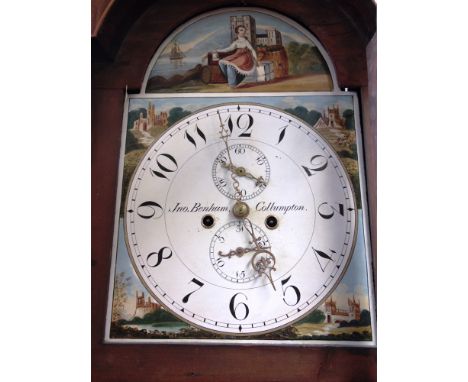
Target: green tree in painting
x,y
316,317
158,315
131,143
133,115
348,116
120,296
312,117
176,114
365,318
309,116
299,111
304,58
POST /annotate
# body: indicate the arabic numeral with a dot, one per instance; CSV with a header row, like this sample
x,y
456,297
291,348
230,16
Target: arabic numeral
x,y
261,160
222,182
317,163
149,209
239,150
191,139
240,308
223,159
262,243
240,275
165,163
282,134
327,211
195,281
294,290
230,124
160,257
219,262
221,239
323,258
244,123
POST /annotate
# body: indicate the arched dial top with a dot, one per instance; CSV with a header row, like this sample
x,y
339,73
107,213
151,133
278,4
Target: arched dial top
x,y
276,274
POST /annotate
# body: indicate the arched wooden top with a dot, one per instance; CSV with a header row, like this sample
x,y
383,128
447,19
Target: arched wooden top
x,y
127,34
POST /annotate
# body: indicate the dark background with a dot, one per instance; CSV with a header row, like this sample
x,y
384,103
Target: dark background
x,y
125,36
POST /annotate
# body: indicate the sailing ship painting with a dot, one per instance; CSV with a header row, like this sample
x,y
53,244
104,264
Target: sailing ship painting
x,y
177,55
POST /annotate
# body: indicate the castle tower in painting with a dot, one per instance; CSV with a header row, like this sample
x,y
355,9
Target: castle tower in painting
x,y
330,119
335,314
151,114
274,37
153,119
354,308
248,22
334,119
143,306
141,123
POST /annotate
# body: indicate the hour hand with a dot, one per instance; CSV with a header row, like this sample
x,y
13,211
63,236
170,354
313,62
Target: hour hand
x,y
242,171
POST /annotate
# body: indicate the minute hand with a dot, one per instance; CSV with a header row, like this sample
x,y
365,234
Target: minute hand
x,y
241,171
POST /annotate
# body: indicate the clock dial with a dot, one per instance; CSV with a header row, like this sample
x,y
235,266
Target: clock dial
x,y
246,275
231,251
251,169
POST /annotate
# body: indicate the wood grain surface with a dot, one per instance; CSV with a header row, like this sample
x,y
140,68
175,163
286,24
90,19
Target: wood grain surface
x,y
123,45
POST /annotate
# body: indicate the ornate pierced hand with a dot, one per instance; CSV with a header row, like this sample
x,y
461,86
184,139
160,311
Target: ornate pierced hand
x,y
241,171
239,252
263,261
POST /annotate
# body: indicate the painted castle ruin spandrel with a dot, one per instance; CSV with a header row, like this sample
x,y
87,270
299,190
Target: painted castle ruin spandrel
x,y
143,306
331,119
153,119
336,314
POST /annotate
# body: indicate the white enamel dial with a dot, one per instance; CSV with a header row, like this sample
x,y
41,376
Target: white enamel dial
x,y
176,215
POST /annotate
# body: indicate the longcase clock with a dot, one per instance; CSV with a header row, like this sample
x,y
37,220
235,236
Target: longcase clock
x,y
241,214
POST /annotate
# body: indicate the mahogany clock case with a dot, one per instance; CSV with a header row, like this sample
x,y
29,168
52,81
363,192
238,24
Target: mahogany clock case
x,y
110,79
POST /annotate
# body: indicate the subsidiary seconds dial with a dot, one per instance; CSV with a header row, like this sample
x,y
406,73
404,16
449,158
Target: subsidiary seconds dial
x,y
231,252
250,166
180,227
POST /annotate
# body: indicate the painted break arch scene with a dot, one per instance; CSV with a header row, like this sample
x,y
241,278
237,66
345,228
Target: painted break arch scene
x,y
247,51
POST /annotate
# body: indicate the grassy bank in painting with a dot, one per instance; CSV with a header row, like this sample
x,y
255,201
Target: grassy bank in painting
x,y
161,324
303,83
294,333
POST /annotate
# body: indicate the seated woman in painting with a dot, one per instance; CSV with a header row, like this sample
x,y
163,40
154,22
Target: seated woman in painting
x,y
242,62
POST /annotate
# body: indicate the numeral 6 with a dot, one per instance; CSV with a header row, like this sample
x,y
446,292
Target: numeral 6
x,y
233,308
